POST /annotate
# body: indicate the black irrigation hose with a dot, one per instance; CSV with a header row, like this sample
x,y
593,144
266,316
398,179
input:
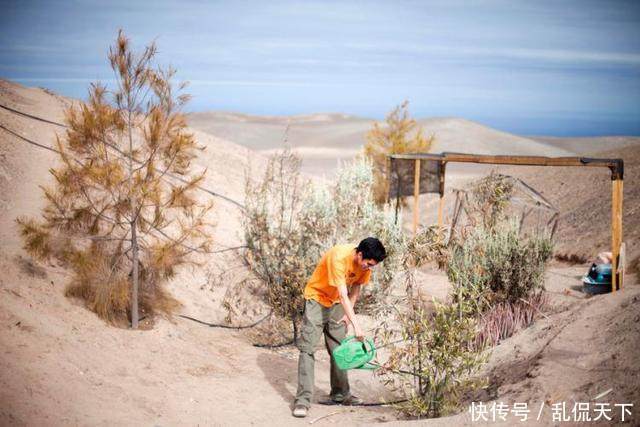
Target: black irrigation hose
x,y
217,325
213,325
32,117
28,140
270,346
206,190
395,402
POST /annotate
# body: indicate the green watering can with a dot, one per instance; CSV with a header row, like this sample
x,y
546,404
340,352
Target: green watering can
x,y
354,354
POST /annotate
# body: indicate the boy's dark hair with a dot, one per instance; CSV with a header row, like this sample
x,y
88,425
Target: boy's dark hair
x,y
372,248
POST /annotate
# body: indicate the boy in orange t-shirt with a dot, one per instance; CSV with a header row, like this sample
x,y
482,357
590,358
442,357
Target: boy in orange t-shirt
x,y
330,294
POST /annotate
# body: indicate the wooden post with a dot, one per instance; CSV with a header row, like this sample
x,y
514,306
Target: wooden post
x,y
443,165
616,232
416,196
622,263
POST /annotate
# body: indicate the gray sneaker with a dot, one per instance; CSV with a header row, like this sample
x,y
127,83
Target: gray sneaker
x,y
350,400
300,411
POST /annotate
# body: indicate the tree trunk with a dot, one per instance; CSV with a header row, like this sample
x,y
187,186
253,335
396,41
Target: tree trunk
x,y
134,289
134,228
295,330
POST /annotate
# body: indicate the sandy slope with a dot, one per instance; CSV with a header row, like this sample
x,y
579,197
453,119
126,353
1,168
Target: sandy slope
x,y
61,365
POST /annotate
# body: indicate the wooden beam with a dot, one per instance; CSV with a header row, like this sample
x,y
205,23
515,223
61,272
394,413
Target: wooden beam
x,y
616,232
615,165
416,196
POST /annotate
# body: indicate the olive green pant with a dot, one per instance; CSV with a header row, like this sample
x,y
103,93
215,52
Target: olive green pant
x,y
318,320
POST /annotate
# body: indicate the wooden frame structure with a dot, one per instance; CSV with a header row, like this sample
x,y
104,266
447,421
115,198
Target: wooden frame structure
x,y
616,166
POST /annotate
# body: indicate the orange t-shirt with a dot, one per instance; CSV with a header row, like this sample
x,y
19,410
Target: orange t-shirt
x,y
334,269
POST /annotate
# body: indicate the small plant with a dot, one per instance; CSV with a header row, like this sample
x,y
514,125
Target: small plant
x,y
436,362
504,319
399,134
433,358
113,216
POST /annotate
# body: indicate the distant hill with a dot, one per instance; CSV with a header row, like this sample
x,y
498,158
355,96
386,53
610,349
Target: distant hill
x,y
588,146
325,139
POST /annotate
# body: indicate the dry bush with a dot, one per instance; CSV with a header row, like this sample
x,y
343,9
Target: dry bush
x,y
571,258
432,355
289,224
113,216
277,251
399,134
485,205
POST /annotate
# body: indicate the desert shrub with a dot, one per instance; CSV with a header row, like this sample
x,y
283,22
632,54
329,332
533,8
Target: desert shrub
x,y
436,362
277,251
433,358
399,134
497,270
113,216
290,223
498,265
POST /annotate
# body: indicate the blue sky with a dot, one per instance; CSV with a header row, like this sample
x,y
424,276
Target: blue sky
x,y
529,67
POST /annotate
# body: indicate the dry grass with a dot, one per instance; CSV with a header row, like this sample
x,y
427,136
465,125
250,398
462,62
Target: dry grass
x,y
571,258
506,318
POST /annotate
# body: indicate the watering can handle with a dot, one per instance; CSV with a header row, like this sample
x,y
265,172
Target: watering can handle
x,y
364,343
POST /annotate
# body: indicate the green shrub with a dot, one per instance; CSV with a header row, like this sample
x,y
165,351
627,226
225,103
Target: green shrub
x,y
501,275
436,361
497,265
433,357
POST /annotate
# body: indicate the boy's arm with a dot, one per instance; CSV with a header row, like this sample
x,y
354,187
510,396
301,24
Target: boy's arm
x,y
354,294
348,310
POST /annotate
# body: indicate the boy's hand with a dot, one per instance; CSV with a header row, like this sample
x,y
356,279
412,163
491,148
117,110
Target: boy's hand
x,y
345,320
356,329
358,333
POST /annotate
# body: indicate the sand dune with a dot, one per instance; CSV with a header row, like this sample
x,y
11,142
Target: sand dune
x,y
323,140
589,146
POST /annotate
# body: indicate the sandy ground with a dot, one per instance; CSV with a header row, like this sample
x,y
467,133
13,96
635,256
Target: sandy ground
x,y
61,365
